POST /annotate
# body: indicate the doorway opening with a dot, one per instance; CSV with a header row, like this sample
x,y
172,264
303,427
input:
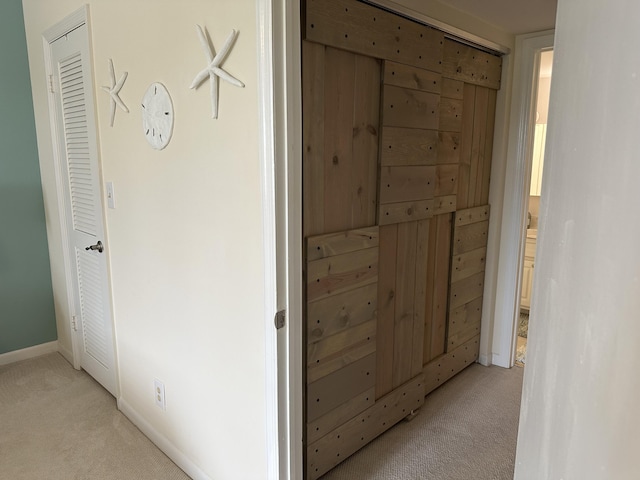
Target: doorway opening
x,y
541,102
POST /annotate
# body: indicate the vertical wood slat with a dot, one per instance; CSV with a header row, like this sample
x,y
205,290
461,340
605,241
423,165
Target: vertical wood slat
x,y
464,171
338,141
405,295
341,125
420,298
478,142
483,198
313,74
386,308
437,286
366,125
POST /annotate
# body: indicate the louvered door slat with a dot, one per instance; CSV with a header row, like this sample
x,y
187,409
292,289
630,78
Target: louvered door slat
x,y
77,146
91,305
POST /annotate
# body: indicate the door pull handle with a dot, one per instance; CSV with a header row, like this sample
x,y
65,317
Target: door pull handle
x,y
98,246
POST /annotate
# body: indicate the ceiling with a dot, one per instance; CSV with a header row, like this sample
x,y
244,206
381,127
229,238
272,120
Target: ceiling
x,y
512,16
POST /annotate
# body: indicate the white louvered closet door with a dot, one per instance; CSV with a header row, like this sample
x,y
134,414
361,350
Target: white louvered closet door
x,y
78,154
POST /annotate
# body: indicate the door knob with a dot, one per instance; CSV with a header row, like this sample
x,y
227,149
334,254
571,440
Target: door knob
x,y
98,246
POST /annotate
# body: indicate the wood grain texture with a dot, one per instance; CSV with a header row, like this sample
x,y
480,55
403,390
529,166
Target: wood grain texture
x,y
334,314
448,147
464,323
450,115
406,211
338,351
339,387
408,76
468,105
470,237
322,246
338,138
386,308
478,142
464,265
446,366
452,88
404,184
467,64
483,199
472,215
444,204
313,73
367,30
446,180
403,107
347,439
365,128
405,296
410,146
438,264
336,417
420,297
332,275
465,290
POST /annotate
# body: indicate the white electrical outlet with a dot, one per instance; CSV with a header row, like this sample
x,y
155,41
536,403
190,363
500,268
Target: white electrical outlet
x,y
159,394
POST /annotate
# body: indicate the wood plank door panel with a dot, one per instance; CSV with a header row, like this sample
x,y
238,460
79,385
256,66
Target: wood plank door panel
x,y
397,140
466,287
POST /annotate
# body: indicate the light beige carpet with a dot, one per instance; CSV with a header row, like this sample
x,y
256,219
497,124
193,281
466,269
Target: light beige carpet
x,y
466,430
58,424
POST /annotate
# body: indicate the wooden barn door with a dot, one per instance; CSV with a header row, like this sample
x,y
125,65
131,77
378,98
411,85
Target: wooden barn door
x,y
397,125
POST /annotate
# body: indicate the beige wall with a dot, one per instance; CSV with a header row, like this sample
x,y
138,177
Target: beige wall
x,y
186,239
579,416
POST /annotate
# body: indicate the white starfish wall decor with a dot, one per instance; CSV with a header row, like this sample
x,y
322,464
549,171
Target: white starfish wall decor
x,y
213,70
114,91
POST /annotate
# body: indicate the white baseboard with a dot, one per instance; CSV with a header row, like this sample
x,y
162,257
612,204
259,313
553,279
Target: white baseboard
x,y
485,360
27,353
162,442
66,353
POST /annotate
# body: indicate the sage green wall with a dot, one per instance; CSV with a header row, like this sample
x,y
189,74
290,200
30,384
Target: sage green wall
x,y
26,300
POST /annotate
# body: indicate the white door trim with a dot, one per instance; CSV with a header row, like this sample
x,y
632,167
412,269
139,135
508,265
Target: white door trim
x,y
516,195
281,159
288,98
272,273
68,24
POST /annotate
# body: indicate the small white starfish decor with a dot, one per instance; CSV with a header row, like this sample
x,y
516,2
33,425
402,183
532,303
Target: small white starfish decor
x,y
213,70
114,91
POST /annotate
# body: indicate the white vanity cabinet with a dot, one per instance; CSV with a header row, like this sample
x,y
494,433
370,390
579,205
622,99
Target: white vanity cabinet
x,y
527,273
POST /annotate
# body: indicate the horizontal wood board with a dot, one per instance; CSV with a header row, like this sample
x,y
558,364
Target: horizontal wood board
x,y
451,363
367,30
334,447
467,64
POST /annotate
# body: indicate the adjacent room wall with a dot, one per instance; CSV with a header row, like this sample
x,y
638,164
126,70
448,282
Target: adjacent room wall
x,y
26,300
579,416
186,239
